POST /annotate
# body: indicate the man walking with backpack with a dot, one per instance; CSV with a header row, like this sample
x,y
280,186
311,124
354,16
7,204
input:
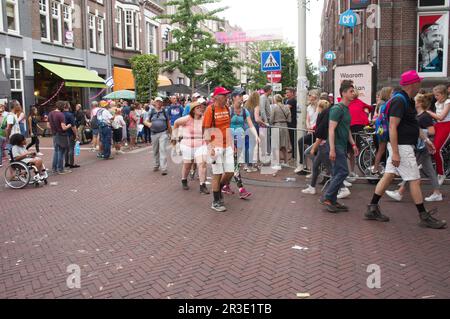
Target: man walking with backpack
x,y
159,123
404,131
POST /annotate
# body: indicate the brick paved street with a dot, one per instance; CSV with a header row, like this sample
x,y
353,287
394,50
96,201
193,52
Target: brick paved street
x,y
136,234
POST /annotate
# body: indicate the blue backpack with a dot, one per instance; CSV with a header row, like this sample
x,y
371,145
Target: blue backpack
x,y
382,122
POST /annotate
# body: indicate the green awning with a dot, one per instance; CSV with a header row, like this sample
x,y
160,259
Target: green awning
x,y
75,76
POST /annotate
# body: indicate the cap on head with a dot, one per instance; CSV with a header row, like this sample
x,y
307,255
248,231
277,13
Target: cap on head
x,y
237,92
220,91
196,95
158,99
410,77
201,100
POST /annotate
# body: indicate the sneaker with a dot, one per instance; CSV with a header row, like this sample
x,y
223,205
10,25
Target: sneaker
x,y
352,177
329,206
252,169
298,169
227,190
277,167
204,190
310,190
347,184
309,176
426,220
434,198
74,166
395,195
243,194
343,193
374,213
64,172
39,154
218,207
441,179
184,183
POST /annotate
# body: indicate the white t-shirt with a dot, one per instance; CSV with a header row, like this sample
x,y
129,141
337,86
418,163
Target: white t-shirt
x,y
106,116
312,115
118,122
12,120
18,151
440,109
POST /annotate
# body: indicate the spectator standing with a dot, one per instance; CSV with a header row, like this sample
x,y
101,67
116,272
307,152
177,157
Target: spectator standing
x,y
56,122
291,102
175,110
118,127
33,127
105,119
280,116
80,121
71,135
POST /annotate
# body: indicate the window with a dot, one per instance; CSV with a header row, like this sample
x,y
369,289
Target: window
x,y
67,25
92,42
44,20
129,29
432,3
16,75
151,38
1,18
137,19
180,80
12,16
101,34
56,22
119,27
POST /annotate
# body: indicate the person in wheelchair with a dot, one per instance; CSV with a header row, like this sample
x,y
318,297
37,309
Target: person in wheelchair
x,y
20,153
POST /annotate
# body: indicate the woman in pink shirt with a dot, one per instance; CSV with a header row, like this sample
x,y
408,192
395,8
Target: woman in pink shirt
x,y
359,112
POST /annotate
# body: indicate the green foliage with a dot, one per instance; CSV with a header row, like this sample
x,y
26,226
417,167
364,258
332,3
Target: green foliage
x,y
192,45
222,73
145,71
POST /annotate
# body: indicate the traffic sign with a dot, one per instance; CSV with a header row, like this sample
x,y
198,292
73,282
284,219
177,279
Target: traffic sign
x,y
270,61
274,77
276,87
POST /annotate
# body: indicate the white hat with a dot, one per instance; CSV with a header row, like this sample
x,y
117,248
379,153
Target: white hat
x,y
201,100
196,95
159,99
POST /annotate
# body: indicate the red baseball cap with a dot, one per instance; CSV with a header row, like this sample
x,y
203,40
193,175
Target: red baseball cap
x,y
221,91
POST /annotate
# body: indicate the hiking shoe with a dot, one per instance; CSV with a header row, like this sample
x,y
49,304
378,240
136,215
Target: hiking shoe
x,y
218,207
330,207
310,190
426,220
434,198
243,194
204,190
227,190
374,213
184,183
395,195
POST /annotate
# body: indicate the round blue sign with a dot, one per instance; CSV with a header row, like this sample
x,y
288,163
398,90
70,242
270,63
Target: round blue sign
x,y
330,56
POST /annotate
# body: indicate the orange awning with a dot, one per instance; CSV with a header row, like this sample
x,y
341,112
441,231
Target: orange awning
x,y
123,79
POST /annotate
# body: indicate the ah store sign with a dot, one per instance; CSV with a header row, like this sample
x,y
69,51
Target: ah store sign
x,y
348,19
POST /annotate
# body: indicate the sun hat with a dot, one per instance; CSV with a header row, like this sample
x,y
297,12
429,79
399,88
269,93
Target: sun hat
x,y
410,77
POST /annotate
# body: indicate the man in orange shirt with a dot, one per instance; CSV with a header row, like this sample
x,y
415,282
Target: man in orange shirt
x,y
216,125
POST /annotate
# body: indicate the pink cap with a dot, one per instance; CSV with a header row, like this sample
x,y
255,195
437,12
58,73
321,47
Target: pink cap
x,y
220,91
410,77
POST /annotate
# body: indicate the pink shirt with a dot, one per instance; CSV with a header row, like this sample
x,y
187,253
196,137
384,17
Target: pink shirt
x,y
193,133
358,113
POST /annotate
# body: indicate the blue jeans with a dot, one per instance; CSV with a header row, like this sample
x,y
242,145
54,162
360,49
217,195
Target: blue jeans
x,y
339,174
58,157
105,138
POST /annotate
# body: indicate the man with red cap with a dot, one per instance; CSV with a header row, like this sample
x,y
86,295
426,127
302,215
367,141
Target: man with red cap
x,y
216,124
404,131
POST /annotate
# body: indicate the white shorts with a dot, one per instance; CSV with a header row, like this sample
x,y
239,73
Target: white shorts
x,y
224,161
194,153
408,169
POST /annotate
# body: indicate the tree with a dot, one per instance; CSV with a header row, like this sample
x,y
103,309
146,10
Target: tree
x,y
222,73
192,45
145,69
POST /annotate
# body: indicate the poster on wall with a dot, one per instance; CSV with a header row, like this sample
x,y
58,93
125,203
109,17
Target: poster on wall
x,y
432,44
359,4
361,75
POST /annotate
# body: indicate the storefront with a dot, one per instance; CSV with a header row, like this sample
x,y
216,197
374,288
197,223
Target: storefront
x,y
55,82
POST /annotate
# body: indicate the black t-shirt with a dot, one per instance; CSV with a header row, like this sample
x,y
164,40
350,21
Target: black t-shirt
x,y
322,125
408,129
293,106
425,120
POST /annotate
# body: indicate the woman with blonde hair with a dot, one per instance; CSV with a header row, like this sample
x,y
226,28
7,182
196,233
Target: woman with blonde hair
x,y
280,116
252,105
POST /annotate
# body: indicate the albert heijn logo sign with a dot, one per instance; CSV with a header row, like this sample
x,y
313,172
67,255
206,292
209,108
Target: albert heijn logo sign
x,y
348,19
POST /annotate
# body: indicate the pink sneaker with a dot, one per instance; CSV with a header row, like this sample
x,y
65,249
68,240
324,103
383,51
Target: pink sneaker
x,y
227,190
243,194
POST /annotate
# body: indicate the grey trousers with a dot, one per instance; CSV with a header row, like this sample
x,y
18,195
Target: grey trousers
x,y
160,142
424,159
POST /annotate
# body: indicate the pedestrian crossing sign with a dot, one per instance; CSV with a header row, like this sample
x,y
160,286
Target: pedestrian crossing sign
x,y
270,61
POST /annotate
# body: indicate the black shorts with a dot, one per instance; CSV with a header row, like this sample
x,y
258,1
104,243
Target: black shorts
x,y
117,135
355,129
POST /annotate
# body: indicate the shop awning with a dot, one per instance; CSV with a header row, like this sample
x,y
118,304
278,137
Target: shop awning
x,y
124,79
75,76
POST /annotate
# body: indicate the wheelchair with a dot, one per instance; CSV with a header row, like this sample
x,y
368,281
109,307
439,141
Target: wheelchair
x,y
19,174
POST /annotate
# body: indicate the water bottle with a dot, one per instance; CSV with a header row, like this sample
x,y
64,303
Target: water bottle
x,y
77,148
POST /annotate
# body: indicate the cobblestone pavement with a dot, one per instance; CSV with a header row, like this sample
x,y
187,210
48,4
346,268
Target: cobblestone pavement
x,y
136,234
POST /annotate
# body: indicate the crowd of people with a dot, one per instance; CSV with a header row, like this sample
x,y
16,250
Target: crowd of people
x,y
234,131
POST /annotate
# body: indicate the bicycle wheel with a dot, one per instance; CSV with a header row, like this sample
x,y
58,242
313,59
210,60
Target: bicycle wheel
x,y
365,160
446,156
17,175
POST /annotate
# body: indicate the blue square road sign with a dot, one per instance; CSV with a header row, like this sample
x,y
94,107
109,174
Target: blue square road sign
x,y
270,61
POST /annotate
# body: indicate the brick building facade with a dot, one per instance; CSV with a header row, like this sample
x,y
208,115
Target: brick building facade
x,y
392,48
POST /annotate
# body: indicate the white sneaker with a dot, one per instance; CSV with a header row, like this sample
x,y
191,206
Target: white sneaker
x,y
441,179
347,184
395,195
352,177
309,176
39,154
343,193
277,167
299,169
434,198
310,190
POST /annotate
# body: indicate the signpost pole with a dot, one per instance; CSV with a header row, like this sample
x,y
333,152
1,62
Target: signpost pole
x,y
302,79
